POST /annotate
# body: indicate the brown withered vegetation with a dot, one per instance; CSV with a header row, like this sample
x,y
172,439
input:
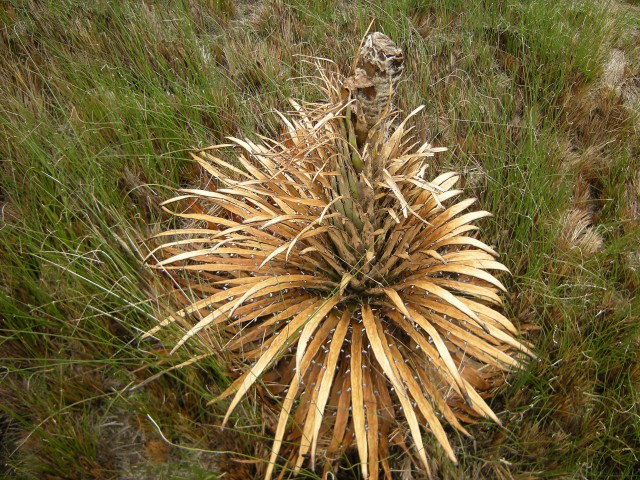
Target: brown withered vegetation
x,y
354,289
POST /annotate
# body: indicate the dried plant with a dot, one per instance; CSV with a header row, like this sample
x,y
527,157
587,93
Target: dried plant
x,y
578,232
349,290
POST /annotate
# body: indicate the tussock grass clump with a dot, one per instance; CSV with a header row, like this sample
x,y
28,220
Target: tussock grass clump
x,y
356,292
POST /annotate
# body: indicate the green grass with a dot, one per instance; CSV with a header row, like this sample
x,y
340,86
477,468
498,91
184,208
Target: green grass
x,y
100,104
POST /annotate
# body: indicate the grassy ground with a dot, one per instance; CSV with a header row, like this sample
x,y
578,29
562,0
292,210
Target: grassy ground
x,y
100,102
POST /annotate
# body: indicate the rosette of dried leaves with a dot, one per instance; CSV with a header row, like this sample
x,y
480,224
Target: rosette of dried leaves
x,y
351,290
